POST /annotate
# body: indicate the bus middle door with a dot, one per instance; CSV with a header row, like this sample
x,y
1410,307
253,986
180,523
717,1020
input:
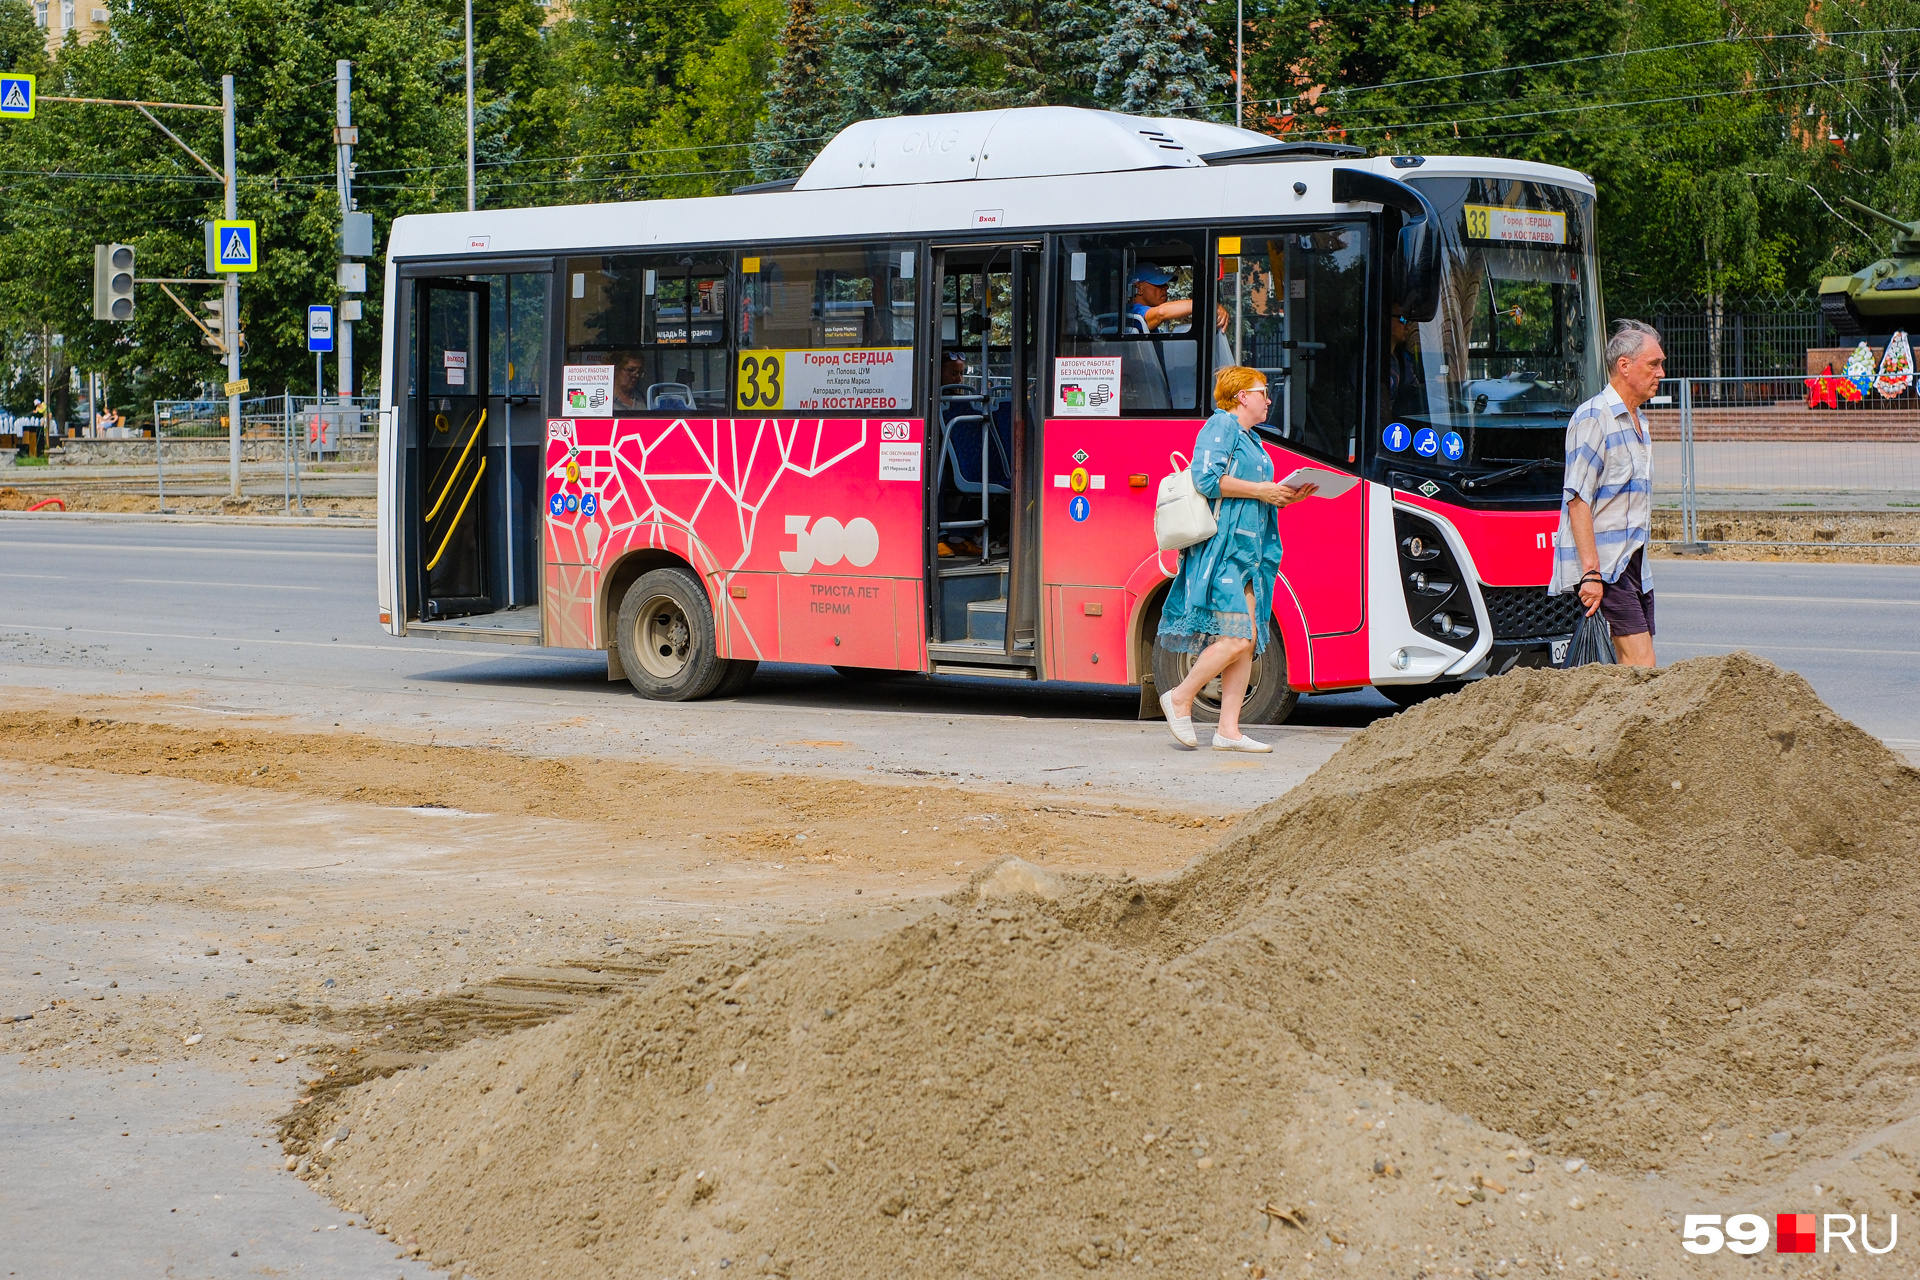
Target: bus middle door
x,y
984,522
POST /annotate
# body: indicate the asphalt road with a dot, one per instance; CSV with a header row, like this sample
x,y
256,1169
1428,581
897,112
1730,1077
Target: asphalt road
x,y
249,617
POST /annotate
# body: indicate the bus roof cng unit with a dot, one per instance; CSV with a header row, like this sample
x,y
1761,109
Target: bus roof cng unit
x,y
907,411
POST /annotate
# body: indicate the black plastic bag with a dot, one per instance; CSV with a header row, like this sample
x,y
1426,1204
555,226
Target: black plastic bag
x,y
1592,642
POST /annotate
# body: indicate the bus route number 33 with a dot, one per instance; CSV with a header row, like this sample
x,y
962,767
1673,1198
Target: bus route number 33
x,y
760,380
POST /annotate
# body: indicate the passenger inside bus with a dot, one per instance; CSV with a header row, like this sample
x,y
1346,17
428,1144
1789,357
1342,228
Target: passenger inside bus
x,y
1151,308
1404,387
627,397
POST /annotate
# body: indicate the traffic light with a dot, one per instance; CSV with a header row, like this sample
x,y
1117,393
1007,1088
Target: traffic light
x,y
216,314
113,282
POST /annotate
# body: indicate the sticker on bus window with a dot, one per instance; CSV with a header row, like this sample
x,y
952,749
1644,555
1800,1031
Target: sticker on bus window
x,y
1086,387
1526,226
857,380
587,390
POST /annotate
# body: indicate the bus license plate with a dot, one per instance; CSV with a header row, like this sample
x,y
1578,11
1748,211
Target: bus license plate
x,y
1560,651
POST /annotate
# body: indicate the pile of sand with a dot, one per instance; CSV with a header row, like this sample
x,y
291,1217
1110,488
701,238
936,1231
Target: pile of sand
x,y
1489,991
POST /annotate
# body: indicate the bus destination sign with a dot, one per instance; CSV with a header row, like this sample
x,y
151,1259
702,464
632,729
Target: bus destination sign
x,y
1528,226
836,379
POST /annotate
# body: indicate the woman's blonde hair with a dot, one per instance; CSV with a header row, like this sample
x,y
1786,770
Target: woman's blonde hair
x,y
1232,380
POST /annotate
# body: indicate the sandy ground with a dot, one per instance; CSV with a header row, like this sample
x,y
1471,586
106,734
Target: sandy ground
x,y
106,501
206,922
1776,530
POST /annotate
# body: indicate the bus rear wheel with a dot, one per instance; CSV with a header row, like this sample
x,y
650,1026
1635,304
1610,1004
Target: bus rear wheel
x,y
666,638
1269,700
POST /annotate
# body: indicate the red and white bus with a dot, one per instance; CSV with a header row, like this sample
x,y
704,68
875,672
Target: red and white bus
x,y
909,412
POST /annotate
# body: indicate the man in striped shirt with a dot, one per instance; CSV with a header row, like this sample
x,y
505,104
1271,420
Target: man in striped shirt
x,y
1606,509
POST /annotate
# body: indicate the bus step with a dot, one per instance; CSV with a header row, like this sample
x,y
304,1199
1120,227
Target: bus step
x,y
996,673
987,620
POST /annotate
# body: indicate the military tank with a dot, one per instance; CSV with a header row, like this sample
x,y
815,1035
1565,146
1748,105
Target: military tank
x,y
1882,296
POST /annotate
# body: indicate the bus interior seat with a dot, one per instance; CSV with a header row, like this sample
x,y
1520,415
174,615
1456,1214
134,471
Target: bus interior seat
x,y
1181,361
675,397
1143,382
960,456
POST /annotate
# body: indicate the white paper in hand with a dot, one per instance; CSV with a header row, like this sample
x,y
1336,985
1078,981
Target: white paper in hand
x,y
1332,483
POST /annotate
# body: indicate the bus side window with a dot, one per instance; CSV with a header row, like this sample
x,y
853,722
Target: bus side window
x,y
660,321
1134,297
1292,304
831,301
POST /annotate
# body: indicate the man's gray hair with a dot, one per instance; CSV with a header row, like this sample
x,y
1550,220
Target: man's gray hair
x,y
1629,336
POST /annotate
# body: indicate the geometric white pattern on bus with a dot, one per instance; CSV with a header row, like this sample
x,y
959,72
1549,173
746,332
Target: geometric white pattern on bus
x,y
653,478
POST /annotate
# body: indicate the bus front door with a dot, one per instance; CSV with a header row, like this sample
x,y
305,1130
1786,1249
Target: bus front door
x,y
451,498
984,589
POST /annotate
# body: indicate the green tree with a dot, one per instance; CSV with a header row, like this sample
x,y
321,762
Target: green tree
x,y
802,108
892,59
1026,53
85,174
1154,60
662,98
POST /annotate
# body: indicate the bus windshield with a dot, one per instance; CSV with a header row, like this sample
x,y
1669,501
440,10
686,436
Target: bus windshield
x,y
1489,383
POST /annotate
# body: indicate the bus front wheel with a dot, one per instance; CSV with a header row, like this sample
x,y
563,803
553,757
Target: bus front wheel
x,y
666,638
1269,700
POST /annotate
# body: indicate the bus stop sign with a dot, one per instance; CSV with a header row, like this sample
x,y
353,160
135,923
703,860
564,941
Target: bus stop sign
x,y
319,328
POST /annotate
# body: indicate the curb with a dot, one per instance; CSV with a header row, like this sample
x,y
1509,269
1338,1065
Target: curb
x,y
154,517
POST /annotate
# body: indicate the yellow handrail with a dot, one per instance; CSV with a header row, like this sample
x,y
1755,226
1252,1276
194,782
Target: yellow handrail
x,y
446,459
457,514
457,466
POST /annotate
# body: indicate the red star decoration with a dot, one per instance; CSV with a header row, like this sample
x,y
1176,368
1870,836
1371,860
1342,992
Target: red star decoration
x,y
1820,391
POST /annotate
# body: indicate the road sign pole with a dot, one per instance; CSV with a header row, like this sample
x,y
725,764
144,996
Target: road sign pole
x,y
343,180
159,460
230,321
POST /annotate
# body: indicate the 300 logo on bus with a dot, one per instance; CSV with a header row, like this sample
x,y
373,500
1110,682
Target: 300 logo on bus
x,y
829,542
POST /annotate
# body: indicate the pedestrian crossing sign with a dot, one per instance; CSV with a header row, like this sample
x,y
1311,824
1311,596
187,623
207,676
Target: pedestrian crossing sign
x,y
238,248
16,97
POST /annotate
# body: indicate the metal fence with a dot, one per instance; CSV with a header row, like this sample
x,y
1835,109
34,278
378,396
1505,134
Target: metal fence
x,y
1736,337
1729,446
305,428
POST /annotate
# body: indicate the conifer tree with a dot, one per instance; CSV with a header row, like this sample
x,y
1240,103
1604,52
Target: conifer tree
x,y
1153,60
892,59
803,109
1027,53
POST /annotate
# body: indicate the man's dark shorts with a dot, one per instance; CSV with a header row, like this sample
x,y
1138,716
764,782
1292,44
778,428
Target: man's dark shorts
x,y
1625,604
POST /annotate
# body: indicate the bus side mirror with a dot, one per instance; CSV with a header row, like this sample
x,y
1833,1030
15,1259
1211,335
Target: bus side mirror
x,y
1413,282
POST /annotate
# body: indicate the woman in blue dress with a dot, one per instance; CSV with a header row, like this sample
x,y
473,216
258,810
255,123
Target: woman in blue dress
x,y
1220,599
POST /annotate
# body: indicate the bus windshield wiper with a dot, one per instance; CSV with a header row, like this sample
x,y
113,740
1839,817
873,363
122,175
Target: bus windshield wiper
x,y
1482,482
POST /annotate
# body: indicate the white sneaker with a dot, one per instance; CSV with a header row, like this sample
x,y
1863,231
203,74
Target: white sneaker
x,y
1241,743
1181,727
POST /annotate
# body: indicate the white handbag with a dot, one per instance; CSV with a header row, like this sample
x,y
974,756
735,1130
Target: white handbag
x,y
1181,517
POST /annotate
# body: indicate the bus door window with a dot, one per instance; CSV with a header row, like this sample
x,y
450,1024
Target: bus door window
x,y
452,425
660,320
516,429
1134,297
976,409
1293,305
